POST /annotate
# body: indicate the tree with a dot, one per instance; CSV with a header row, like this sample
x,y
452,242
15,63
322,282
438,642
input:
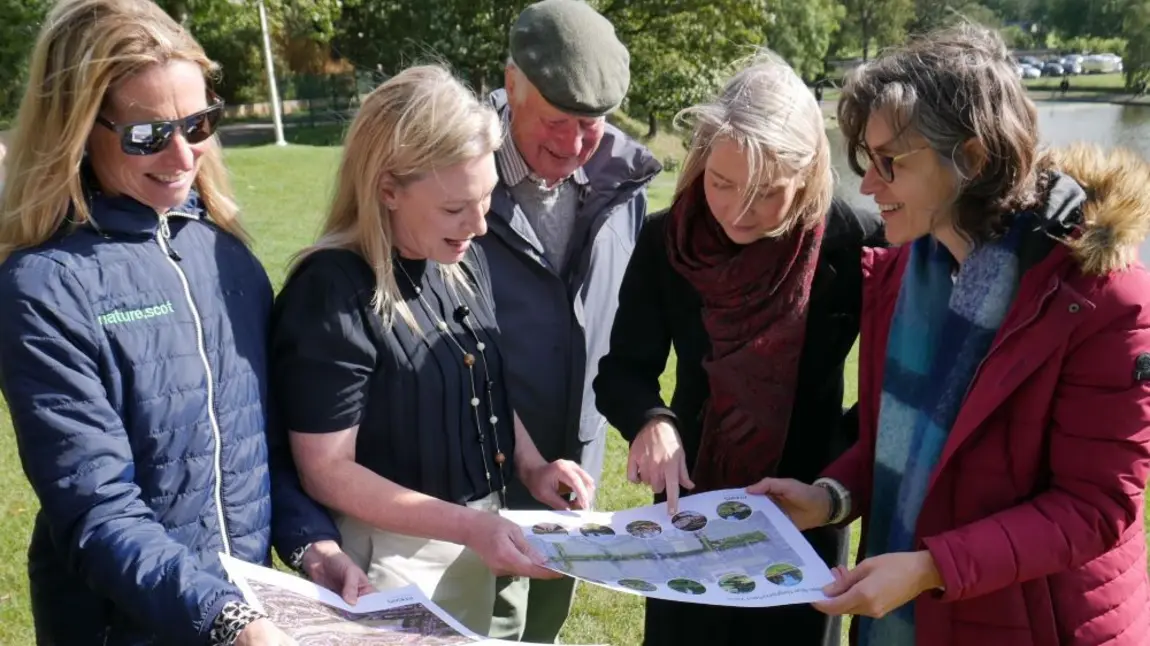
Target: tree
x,y
1016,11
930,15
470,36
802,32
1100,18
977,13
19,25
229,31
876,23
681,52
1018,38
1136,28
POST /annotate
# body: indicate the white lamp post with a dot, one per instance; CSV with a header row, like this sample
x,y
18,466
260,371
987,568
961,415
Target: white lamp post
x,y
275,97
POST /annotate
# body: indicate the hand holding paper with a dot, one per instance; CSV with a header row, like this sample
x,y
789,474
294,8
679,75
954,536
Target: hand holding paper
x,y
806,505
881,584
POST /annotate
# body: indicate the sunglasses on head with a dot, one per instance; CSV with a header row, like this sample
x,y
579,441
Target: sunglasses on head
x,y
884,164
151,137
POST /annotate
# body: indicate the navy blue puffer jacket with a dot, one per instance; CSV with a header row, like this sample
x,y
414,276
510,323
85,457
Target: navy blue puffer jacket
x,y
133,360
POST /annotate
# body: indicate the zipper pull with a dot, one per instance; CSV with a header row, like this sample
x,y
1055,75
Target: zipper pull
x,y
166,238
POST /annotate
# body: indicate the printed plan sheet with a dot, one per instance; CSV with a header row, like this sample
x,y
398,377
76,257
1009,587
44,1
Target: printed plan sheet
x,y
314,616
724,548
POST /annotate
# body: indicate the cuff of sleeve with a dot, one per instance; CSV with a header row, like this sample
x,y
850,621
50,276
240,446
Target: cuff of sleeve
x,y
944,561
231,621
651,413
299,540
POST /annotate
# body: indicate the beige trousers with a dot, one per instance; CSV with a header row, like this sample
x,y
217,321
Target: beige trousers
x,y
452,576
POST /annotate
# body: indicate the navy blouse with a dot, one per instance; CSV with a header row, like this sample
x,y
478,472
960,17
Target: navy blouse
x,y
335,366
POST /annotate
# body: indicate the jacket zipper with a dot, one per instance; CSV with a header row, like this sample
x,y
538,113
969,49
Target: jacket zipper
x,y
1037,310
163,237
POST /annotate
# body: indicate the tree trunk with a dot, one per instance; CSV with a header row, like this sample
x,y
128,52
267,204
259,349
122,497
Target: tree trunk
x,y
652,125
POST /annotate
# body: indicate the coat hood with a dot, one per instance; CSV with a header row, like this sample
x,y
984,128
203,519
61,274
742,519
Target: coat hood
x,y
1110,189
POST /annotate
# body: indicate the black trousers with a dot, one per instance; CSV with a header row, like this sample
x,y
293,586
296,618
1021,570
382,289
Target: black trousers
x,y
671,623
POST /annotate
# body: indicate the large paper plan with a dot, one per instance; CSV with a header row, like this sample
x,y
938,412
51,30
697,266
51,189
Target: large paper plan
x,y
722,548
315,616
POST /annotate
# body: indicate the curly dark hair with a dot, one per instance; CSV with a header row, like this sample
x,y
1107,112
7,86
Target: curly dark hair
x,y
951,86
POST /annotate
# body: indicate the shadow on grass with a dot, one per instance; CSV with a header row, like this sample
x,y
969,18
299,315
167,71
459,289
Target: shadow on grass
x,y
263,134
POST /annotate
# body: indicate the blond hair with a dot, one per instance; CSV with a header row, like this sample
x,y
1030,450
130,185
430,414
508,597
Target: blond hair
x,y
767,110
85,48
420,120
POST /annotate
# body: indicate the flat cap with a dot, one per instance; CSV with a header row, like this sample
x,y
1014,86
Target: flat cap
x,y
571,54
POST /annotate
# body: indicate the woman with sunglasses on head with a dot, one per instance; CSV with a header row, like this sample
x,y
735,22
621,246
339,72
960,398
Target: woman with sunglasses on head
x,y
1004,368
133,339
753,276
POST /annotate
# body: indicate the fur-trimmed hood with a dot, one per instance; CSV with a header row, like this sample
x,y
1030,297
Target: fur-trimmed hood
x,y
1108,192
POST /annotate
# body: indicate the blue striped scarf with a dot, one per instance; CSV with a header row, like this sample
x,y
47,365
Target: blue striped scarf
x,y
942,328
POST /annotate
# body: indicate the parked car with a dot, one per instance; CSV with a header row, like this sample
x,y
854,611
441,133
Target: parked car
x,y
1101,64
1053,69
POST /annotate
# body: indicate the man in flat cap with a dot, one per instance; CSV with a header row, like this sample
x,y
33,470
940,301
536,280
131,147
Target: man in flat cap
x,y
563,221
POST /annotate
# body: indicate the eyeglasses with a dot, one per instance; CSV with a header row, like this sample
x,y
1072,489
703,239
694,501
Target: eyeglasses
x,y
884,164
149,138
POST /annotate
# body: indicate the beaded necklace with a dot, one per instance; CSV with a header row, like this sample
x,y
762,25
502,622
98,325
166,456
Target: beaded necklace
x,y
469,361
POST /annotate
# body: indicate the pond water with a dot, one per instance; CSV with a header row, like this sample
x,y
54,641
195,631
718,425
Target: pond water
x,y
1059,124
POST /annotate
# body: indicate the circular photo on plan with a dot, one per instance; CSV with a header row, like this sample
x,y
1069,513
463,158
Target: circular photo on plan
x,y
543,529
593,530
733,510
644,528
784,574
737,584
686,586
689,521
638,584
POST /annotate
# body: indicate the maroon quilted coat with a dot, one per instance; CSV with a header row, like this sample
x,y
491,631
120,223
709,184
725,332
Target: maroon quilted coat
x,y
1035,512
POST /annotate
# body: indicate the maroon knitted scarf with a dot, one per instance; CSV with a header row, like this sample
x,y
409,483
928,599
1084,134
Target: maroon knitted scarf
x,y
755,300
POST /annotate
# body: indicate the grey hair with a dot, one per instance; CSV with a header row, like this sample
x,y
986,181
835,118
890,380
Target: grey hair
x,y
774,118
951,87
521,82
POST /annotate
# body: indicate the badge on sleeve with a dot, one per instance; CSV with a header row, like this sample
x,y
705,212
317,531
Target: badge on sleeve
x,y
1142,367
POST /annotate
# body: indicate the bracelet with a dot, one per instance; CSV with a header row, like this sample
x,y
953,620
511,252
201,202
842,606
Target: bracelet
x,y
295,560
836,502
233,618
840,499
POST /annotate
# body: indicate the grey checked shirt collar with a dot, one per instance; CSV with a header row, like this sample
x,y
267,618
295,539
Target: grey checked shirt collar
x,y
511,163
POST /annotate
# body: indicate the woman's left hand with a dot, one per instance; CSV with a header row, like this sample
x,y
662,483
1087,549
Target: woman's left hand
x,y
327,565
549,482
880,584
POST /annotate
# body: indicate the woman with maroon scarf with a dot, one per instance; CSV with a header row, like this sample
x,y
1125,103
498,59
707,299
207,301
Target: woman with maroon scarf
x,y
753,276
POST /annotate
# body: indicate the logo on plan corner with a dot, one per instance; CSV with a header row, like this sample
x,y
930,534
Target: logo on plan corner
x,y
116,317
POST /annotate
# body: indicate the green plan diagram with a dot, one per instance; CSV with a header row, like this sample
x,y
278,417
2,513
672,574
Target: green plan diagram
x,y
723,547
720,547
